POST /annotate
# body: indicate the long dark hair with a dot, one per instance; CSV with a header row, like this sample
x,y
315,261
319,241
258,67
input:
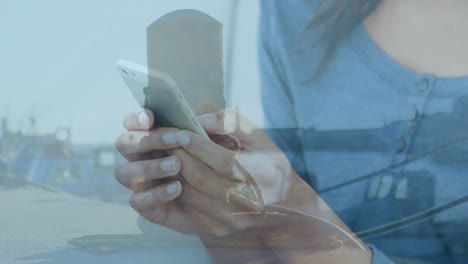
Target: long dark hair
x,y
336,19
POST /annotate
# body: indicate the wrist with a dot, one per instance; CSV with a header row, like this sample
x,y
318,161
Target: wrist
x,y
298,237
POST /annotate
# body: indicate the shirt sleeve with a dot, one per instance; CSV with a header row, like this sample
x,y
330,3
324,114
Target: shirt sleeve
x,y
277,100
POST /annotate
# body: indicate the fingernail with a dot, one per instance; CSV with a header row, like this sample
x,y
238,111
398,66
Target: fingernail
x,y
169,138
183,137
169,165
174,189
143,119
208,119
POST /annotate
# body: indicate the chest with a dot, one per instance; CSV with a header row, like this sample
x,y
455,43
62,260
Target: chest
x,y
360,123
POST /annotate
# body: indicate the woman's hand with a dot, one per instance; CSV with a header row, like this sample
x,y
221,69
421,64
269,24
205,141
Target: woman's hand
x,y
154,176
207,167
249,198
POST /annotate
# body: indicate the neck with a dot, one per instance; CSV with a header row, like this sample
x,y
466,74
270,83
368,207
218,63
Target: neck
x,y
411,31
434,16
426,9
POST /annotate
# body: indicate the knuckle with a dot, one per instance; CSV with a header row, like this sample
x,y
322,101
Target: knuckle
x,y
147,168
159,216
220,231
187,194
133,202
144,144
127,142
119,143
157,197
120,171
240,224
154,139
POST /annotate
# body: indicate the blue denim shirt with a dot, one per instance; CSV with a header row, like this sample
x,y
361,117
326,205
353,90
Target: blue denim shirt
x,y
365,113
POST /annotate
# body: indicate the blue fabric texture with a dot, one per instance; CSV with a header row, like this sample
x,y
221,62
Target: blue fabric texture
x,y
379,257
365,113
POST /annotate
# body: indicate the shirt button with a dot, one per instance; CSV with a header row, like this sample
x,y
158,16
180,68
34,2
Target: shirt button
x,y
458,249
400,145
423,85
413,115
385,186
299,133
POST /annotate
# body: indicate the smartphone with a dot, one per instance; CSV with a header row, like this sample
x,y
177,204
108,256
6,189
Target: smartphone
x,y
159,92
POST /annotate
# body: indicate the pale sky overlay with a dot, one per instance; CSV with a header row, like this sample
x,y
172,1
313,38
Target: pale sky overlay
x,y
58,61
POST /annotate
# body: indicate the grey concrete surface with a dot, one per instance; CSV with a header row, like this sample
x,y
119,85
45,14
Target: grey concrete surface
x,y
36,225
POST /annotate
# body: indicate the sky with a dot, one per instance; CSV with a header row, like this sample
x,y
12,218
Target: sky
x,y
58,61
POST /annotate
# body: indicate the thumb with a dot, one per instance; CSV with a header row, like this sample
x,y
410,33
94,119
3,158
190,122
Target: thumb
x,y
226,122
205,109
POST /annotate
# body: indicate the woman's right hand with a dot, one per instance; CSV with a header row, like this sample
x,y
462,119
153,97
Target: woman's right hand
x,y
154,176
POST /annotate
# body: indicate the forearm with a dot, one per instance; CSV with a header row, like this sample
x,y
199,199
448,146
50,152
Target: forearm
x,y
322,242
288,236
311,230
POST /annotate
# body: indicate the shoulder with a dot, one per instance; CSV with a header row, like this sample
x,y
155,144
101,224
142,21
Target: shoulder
x,y
285,20
286,7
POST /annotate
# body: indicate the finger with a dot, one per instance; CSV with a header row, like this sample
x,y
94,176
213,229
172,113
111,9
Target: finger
x,y
203,178
207,226
133,175
184,220
133,143
139,121
244,133
226,122
157,154
215,156
205,109
237,220
226,141
156,197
